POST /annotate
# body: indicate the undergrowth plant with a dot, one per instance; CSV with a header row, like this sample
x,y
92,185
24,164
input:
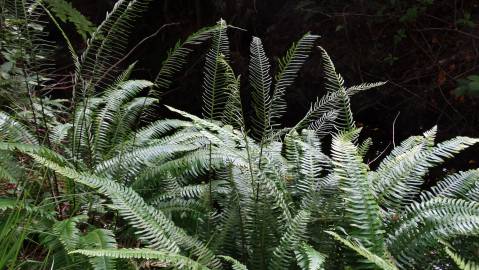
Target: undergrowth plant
x,y
98,183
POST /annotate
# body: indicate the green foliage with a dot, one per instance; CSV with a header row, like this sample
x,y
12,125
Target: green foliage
x,y
200,192
67,13
468,86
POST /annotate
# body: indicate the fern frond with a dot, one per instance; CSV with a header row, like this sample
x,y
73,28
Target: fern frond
x,y
462,263
260,81
289,66
400,176
106,46
461,185
14,131
67,232
215,74
177,56
335,83
427,222
324,124
100,239
361,210
294,234
153,226
235,264
171,259
366,253
308,258
67,13
362,87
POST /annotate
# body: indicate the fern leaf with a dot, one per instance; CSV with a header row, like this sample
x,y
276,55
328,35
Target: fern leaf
x,y
308,258
215,82
171,259
260,81
366,253
425,223
462,263
100,239
294,234
177,56
361,210
67,13
289,66
236,265
461,185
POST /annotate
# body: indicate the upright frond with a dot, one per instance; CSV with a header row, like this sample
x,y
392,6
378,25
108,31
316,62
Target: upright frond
x,y
177,56
289,66
361,210
215,74
260,81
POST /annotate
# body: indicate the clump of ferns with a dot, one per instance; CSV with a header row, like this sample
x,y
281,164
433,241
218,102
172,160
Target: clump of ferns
x,y
251,195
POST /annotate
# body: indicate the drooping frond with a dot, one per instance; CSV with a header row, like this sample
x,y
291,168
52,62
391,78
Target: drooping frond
x,y
308,258
366,253
361,210
325,124
177,56
400,176
153,227
14,131
461,262
169,258
461,185
289,66
425,223
235,264
294,234
260,81
216,74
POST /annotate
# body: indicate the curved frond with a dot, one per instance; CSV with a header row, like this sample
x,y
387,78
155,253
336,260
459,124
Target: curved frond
x,y
308,258
366,253
461,185
294,234
462,263
425,223
289,66
176,58
235,264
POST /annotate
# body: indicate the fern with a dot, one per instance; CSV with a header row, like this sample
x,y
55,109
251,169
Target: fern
x,y
462,263
366,253
308,258
215,75
289,66
67,13
424,223
260,81
171,259
361,210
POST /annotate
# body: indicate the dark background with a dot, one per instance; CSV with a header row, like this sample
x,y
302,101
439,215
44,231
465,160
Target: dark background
x,y
422,48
